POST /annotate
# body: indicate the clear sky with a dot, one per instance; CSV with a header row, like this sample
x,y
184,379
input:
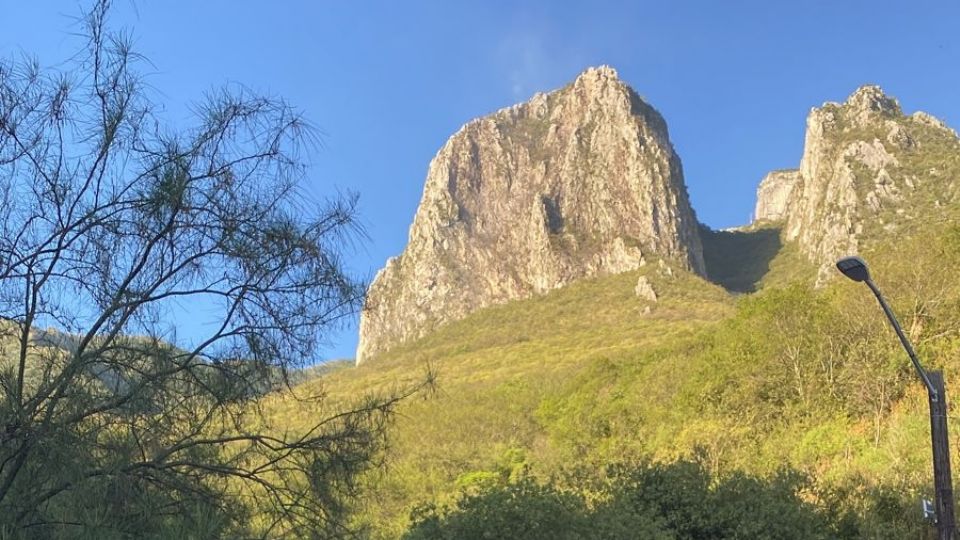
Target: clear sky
x,y
388,82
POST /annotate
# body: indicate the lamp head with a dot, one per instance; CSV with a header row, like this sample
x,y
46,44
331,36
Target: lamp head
x,y
854,268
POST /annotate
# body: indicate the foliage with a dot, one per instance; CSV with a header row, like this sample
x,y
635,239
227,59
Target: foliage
x,y
676,501
112,226
519,510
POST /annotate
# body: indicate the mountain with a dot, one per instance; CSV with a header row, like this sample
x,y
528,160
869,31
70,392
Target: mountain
x,y
583,181
867,171
726,354
575,183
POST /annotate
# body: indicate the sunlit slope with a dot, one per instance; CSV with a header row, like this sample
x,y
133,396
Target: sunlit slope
x,y
497,368
586,376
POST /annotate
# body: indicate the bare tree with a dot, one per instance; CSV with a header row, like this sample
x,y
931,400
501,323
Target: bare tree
x,y
111,227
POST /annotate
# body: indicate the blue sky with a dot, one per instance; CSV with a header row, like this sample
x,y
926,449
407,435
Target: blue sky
x,y
388,82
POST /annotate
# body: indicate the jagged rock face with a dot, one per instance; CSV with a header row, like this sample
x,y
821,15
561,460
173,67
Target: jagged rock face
x,y
774,195
579,182
864,167
824,216
644,290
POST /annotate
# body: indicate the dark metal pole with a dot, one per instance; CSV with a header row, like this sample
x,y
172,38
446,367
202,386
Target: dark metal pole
x,y
903,339
942,479
946,523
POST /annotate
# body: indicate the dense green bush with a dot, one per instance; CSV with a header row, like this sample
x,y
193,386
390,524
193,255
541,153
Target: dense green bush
x,y
520,510
675,501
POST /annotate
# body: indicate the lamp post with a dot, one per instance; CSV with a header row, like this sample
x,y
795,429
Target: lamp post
x,y
856,269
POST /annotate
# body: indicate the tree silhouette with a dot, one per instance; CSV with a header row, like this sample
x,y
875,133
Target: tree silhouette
x,y
112,226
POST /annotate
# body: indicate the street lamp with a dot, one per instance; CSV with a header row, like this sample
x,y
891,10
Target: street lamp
x,y
856,269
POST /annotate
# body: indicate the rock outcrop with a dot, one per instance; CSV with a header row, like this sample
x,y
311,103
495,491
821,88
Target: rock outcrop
x,y
579,182
863,169
644,290
774,195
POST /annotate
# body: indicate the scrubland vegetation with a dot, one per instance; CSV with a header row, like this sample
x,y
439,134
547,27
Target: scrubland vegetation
x,y
537,400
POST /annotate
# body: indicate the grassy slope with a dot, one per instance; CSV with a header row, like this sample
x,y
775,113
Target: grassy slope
x,y
583,376
784,376
497,370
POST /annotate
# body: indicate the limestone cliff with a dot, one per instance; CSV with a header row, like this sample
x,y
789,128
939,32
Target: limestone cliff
x,y
579,182
774,195
867,170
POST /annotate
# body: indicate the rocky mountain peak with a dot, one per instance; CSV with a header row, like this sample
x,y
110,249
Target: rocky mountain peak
x,y
604,72
574,183
871,100
599,82
864,166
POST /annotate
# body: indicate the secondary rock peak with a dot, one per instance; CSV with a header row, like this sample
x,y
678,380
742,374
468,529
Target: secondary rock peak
x,y
866,170
871,98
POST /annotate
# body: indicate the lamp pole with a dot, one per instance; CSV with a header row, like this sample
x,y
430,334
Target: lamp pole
x,y
855,268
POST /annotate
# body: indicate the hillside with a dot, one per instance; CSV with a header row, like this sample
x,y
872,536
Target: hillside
x,y
764,364
498,368
584,376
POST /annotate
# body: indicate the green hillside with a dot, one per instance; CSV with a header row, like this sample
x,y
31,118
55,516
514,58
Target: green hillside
x,y
558,387
496,368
